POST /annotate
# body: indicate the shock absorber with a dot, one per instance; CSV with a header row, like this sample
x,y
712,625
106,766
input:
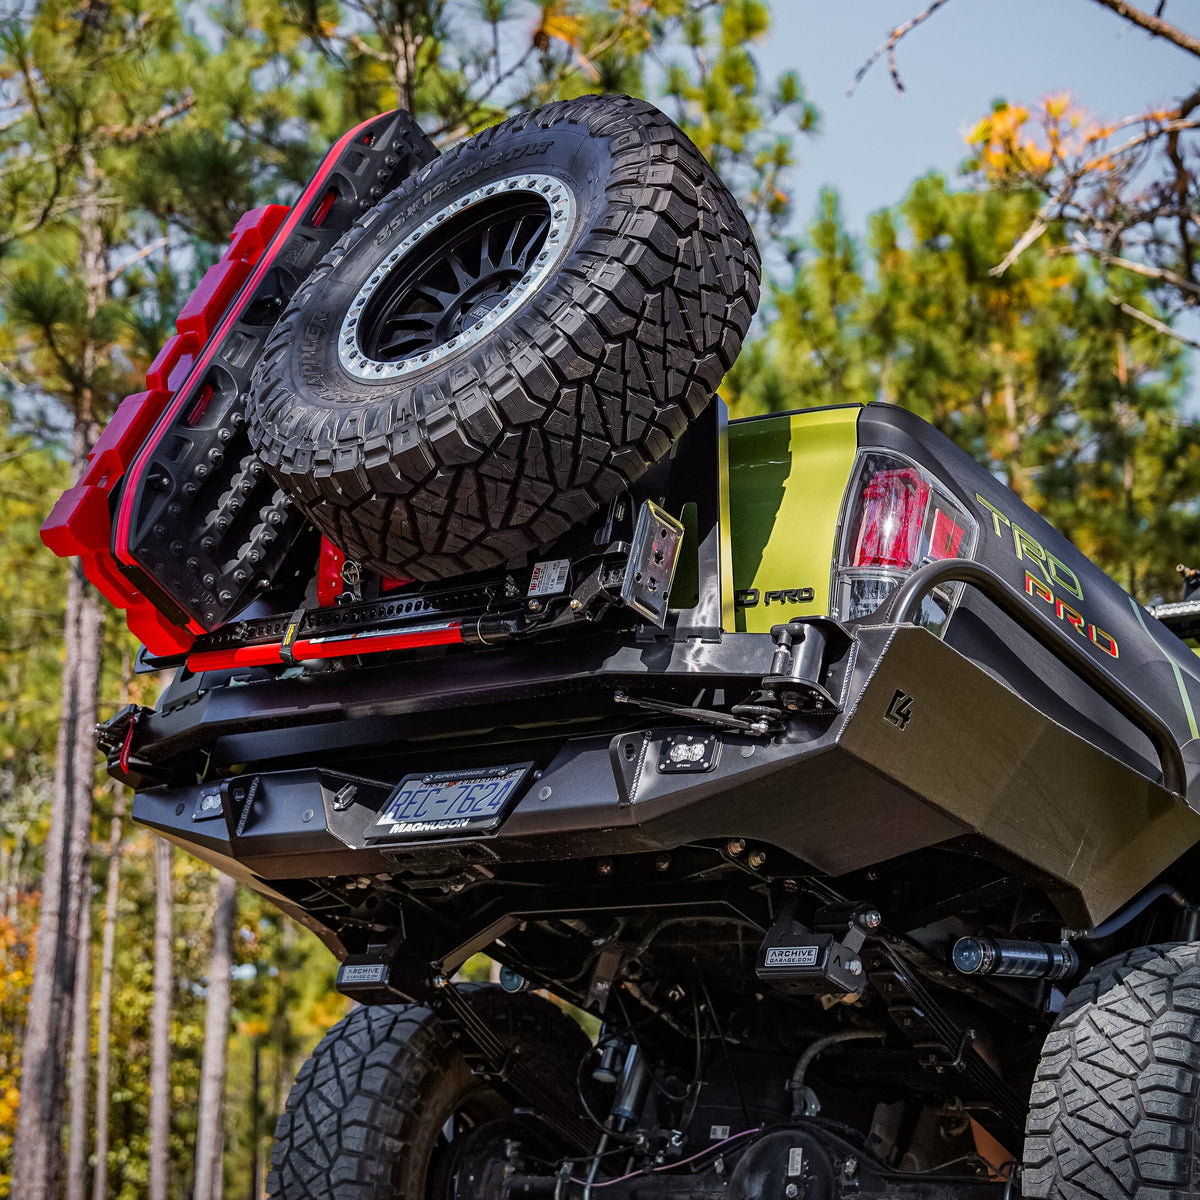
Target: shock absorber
x,y
631,1091
1014,959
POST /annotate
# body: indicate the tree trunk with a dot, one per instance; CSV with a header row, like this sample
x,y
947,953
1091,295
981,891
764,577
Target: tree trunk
x,y
81,1054
255,1117
160,1025
210,1133
104,1019
5,868
37,1148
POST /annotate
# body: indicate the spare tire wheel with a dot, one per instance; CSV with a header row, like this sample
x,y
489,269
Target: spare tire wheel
x,y
508,340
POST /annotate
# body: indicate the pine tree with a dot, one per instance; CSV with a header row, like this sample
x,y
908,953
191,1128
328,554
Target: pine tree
x,y
96,101
72,75
104,1018
1074,402
160,1023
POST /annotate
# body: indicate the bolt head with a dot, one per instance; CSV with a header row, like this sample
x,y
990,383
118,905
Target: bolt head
x,y
605,866
854,967
735,846
791,1191
756,858
871,919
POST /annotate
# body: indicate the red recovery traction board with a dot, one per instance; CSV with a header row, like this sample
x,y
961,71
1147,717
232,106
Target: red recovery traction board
x,y
80,523
94,519
120,541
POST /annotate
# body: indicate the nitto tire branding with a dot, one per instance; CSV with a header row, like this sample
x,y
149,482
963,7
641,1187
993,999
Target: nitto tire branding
x,y
1057,575
533,149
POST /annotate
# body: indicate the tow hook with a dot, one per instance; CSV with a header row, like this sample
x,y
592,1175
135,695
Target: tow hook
x,y
114,737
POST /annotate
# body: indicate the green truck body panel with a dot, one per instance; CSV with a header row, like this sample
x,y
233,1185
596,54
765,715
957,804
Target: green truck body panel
x,y
787,475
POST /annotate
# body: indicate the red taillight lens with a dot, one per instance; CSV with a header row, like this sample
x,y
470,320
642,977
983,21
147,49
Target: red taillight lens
x,y
946,536
898,518
893,512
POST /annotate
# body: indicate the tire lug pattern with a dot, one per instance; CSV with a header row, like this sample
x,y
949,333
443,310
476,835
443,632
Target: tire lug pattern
x,y
1115,1105
366,1108
588,383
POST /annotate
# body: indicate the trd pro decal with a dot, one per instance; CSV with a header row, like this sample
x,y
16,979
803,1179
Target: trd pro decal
x,y
1058,578
749,597
1025,546
1065,613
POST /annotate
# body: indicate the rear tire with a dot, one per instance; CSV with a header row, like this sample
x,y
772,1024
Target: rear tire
x,y
508,340
368,1115
1116,1099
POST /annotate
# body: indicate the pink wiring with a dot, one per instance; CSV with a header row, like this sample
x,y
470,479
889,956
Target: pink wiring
x,y
683,1162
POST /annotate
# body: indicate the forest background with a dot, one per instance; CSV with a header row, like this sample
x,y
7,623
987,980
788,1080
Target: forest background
x,y
1035,305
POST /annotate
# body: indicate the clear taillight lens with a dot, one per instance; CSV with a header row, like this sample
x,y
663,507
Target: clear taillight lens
x,y
897,518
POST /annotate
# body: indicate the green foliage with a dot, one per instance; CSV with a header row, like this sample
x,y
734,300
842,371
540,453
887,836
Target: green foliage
x,y
32,584
283,1002
746,128
1034,371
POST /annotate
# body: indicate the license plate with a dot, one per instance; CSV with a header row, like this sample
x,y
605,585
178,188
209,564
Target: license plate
x,y
447,802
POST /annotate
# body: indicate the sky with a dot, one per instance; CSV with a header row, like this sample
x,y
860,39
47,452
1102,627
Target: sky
x,y
967,55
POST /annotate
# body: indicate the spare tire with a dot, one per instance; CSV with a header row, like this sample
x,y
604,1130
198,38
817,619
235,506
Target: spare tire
x,y
508,340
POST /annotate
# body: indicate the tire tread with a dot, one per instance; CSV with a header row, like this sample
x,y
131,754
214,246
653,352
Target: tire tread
x,y
1116,1098
357,1102
600,373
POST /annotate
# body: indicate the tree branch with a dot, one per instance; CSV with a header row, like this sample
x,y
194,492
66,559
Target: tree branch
x,y
889,47
1154,323
1036,228
125,135
144,252
1153,25
1127,264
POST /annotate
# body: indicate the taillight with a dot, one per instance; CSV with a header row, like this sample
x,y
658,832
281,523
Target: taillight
x,y
896,519
893,510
